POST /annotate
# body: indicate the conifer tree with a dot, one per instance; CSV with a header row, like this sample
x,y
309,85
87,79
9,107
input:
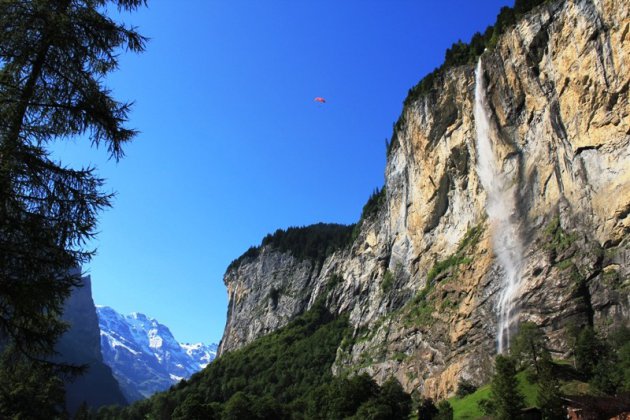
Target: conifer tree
x,y
54,56
506,400
529,346
445,411
588,349
549,397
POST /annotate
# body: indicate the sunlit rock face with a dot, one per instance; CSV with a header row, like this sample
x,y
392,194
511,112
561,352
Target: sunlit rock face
x,y
557,101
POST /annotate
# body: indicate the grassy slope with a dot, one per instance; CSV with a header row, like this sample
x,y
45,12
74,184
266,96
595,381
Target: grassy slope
x,y
467,408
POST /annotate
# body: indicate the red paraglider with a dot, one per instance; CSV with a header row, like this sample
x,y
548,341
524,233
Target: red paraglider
x,y
320,100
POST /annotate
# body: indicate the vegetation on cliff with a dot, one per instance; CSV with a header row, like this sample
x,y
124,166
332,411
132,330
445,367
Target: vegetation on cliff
x,y
461,53
314,242
317,241
370,210
286,374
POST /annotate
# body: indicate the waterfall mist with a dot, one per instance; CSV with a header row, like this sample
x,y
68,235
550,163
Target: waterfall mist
x,y
499,183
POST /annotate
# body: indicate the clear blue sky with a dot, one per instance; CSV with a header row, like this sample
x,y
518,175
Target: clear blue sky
x,y
232,145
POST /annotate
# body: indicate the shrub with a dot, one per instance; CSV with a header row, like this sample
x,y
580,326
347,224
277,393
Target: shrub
x,y
465,387
388,281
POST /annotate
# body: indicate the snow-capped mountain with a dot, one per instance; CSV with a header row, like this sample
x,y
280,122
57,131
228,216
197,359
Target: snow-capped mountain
x,y
144,355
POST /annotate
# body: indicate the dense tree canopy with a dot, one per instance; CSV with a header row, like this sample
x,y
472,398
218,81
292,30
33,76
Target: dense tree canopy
x,y
314,242
284,375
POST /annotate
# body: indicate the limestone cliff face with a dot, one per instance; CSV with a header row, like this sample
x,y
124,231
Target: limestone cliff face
x,y
266,294
421,280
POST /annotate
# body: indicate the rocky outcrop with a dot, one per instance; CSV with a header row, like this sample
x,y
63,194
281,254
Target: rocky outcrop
x,y
81,346
266,294
420,281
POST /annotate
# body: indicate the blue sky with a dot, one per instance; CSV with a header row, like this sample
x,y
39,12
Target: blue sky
x,y
232,145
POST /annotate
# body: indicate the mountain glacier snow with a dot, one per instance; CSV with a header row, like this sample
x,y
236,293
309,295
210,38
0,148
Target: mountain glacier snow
x,y
144,355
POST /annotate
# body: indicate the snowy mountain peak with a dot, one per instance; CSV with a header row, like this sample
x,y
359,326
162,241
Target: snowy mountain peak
x,y
144,355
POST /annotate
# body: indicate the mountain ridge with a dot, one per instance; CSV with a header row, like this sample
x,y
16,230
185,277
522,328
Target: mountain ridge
x,y
144,355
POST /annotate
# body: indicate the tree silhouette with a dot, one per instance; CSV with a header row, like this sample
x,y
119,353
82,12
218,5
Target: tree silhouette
x,y
54,55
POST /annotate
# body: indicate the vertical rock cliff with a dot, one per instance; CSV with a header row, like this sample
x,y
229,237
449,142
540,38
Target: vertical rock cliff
x,y
81,345
420,277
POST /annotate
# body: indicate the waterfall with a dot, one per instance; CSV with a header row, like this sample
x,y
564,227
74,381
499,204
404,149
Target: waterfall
x,y
499,183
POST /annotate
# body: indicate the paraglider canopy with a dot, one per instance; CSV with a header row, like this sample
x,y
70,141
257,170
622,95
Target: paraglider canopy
x,y
320,100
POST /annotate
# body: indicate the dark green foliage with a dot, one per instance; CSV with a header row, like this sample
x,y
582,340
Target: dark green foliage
x,y
464,388
238,407
374,204
505,19
345,396
611,373
523,6
604,363
427,409
251,254
506,401
28,389
588,349
442,266
374,410
393,395
370,210
388,281
193,408
557,240
461,53
623,355
54,57
267,408
549,397
298,355
419,309
314,242
358,397
286,374
529,347
606,374
445,411
620,343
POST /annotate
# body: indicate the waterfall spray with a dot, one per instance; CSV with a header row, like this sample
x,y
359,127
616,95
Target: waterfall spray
x,y
500,187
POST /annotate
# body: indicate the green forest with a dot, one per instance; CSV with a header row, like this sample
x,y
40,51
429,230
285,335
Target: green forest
x,y
314,242
284,375
287,375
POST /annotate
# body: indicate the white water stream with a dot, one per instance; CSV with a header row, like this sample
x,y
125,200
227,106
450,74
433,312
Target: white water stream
x,y
500,186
